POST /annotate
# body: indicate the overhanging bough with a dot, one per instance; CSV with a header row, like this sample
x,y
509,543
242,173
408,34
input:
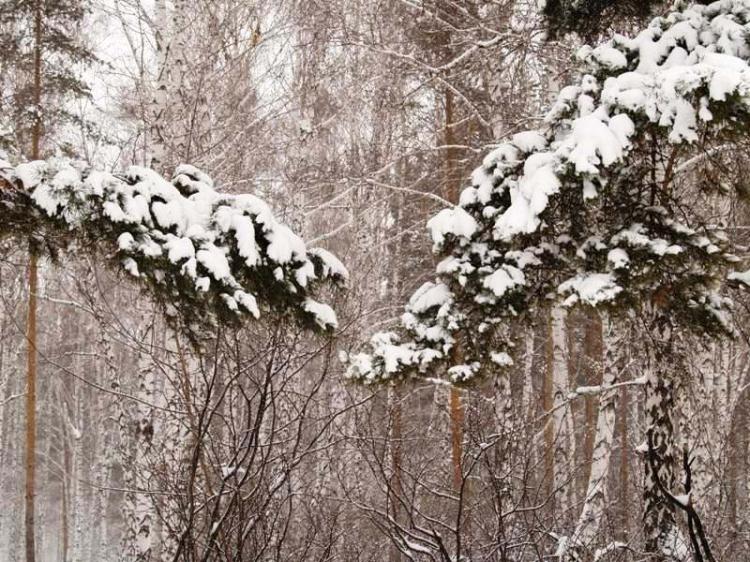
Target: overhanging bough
x,y
206,256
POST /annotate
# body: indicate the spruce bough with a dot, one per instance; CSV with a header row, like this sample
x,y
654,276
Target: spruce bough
x,y
207,257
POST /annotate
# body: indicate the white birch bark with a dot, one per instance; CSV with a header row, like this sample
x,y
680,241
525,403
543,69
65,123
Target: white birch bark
x,y
694,403
594,505
100,548
561,417
79,514
661,533
137,434
174,439
177,63
158,108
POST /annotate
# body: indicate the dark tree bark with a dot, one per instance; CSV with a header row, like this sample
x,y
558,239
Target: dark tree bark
x,y
659,526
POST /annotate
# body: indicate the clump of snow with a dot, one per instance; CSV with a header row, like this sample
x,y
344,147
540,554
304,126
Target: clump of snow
x,y
459,374
324,315
592,289
504,279
502,359
618,258
428,296
530,141
454,221
332,266
741,276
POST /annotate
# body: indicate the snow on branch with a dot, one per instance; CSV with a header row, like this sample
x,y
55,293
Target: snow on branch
x,y
205,255
578,212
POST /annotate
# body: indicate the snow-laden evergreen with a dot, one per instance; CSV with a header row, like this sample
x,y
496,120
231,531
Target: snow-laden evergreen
x,y
205,255
585,210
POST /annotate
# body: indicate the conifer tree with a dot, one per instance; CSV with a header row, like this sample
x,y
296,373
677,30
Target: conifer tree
x,y
596,209
41,47
62,53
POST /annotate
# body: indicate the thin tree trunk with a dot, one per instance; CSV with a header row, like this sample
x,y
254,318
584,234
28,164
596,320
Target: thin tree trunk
x,y
593,357
160,99
136,437
547,402
396,487
624,472
100,549
560,432
31,370
66,492
31,409
457,436
451,192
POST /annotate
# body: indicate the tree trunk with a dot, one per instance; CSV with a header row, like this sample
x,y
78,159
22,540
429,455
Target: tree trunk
x,y
395,487
594,372
559,433
136,437
594,504
160,99
662,538
31,322
100,546
451,193
623,532
31,409
65,487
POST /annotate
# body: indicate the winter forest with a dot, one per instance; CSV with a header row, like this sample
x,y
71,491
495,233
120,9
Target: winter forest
x,y
374,280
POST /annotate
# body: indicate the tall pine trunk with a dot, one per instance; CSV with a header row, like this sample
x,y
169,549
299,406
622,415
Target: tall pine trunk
x,y
31,370
662,538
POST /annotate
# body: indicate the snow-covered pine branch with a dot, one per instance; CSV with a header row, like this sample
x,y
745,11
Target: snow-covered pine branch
x,y
205,255
583,210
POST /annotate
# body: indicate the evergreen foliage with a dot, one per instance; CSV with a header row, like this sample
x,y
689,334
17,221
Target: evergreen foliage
x,y
205,256
590,209
63,53
589,17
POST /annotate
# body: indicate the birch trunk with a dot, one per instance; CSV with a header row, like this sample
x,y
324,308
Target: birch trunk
x,y
31,410
693,402
451,192
177,73
593,511
623,531
137,436
395,485
160,99
176,443
100,543
561,424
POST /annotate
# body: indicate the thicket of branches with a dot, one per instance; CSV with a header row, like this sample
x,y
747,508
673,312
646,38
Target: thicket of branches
x,y
356,121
